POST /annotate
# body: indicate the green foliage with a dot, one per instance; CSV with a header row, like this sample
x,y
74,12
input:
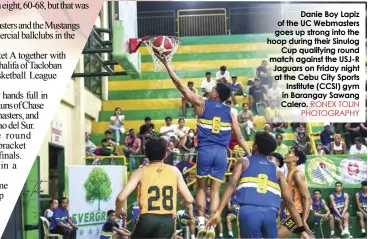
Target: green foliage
x,y
98,186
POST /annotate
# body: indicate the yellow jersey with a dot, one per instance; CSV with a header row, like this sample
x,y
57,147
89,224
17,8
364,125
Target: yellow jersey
x,y
157,191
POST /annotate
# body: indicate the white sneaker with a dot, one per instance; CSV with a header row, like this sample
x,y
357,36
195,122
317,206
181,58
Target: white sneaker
x,y
345,233
201,231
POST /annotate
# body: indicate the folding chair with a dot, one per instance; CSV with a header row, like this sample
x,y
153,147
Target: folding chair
x,y
46,229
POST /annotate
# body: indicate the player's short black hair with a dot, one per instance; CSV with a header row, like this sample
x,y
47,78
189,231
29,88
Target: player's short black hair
x,y
265,143
317,190
364,183
208,73
301,156
223,91
338,182
108,132
156,149
279,135
279,158
147,118
109,212
168,118
223,68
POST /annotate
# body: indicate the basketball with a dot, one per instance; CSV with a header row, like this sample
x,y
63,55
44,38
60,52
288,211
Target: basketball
x,y
162,46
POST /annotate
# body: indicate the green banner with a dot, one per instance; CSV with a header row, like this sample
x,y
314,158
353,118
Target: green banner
x,y
323,171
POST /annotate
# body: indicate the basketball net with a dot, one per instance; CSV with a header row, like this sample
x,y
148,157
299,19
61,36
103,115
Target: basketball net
x,y
157,64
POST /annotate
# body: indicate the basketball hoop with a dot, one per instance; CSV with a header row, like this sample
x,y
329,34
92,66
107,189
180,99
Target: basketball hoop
x,y
135,43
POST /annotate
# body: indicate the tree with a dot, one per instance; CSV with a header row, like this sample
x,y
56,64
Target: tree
x,y
98,186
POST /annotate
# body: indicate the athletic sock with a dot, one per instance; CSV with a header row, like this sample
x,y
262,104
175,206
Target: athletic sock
x,y
201,220
332,233
221,235
231,234
192,236
363,230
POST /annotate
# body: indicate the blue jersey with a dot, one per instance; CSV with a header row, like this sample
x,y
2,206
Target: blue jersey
x,y
258,184
60,215
363,201
317,207
214,125
339,201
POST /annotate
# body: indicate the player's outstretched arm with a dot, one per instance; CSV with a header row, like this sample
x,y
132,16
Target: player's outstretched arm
x,y
287,198
190,96
239,167
131,185
238,135
183,189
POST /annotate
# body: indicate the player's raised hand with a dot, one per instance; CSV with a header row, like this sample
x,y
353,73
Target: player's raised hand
x,y
214,220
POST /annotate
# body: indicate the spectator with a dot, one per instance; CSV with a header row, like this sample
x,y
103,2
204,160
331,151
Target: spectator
x,y
132,147
245,119
187,143
236,87
302,140
339,202
319,149
281,148
274,118
146,132
352,131
89,146
233,142
275,93
117,123
168,131
184,165
53,204
267,128
363,129
108,145
337,146
223,73
207,84
111,229
326,136
172,154
358,147
181,130
318,204
264,74
232,110
257,96
144,162
186,104
61,222
361,202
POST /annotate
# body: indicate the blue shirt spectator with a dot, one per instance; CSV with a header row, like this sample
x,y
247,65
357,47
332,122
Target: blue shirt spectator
x,y
326,135
184,165
60,215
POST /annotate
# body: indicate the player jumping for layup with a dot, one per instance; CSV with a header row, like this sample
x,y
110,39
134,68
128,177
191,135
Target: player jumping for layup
x,y
157,193
214,132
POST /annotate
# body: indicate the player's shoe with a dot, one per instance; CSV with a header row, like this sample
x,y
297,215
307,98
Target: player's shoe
x,y
201,231
345,233
211,234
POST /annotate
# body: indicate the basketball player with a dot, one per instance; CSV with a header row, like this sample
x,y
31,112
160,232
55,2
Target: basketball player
x,y
157,193
318,204
298,188
214,132
361,201
259,185
339,202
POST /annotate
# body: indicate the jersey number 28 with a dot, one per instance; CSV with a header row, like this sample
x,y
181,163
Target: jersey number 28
x,y
167,198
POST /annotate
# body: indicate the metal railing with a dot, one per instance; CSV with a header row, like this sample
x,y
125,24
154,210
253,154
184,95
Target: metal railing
x,y
202,22
156,23
106,160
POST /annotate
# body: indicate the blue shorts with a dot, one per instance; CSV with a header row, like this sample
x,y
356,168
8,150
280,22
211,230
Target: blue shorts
x,y
257,221
212,162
